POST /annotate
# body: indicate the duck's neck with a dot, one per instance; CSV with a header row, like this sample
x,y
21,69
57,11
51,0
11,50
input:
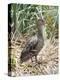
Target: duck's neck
x,y
40,32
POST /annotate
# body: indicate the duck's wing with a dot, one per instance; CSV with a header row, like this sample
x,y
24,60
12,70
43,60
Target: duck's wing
x,y
31,44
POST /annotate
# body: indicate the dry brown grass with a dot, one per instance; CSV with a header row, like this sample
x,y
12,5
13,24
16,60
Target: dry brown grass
x,y
48,61
49,58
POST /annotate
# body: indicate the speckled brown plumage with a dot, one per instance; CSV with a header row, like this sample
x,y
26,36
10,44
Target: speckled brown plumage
x,y
34,44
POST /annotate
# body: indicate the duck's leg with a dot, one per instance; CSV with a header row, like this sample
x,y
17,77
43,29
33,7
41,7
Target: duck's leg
x,y
35,58
32,59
